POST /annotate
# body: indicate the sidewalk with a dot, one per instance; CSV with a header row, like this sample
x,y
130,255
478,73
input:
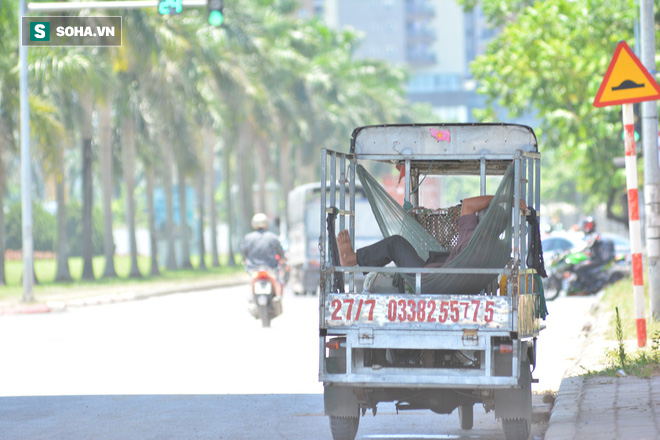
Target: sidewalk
x,y
115,294
602,408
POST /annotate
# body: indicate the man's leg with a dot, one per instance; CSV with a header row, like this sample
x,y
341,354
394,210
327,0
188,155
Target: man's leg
x,y
391,249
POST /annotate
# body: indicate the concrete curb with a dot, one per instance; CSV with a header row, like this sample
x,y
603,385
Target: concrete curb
x,y
135,293
563,418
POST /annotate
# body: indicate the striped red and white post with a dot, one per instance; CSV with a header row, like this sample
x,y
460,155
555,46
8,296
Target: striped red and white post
x,y
633,221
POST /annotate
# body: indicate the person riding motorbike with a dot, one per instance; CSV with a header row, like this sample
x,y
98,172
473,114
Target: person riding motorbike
x,y
261,247
588,226
263,257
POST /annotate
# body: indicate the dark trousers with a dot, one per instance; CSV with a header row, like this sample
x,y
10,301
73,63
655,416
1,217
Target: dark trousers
x,y
391,249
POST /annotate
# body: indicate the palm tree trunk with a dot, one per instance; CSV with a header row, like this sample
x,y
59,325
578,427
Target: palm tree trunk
x,y
87,187
209,138
226,154
262,170
105,144
200,207
3,185
169,206
7,140
285,171
63,272
128,148
152,222
184,236
244,172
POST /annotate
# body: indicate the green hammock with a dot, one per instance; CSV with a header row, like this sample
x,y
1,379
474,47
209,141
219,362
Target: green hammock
x,y
489,247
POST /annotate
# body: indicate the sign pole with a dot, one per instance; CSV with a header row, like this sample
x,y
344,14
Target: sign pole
x,y
651,167
633,222
626,82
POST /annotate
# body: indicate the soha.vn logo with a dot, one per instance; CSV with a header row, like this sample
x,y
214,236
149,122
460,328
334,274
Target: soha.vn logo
x,y
40,31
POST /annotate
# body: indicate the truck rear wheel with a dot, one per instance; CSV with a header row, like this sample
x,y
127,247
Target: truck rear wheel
x,y
517,418
466,416
516,429
344,428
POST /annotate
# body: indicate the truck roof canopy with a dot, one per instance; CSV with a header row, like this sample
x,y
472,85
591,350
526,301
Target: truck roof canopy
x,y
459,147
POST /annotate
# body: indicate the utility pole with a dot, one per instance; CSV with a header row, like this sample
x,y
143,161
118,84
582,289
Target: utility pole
x,y
26,170
651,167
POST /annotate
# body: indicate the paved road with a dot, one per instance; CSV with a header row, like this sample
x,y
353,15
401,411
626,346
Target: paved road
x,y
196,365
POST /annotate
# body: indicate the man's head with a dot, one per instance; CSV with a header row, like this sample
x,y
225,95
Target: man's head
x,y
259,221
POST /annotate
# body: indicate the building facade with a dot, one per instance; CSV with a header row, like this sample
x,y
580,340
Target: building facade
x,y
435,40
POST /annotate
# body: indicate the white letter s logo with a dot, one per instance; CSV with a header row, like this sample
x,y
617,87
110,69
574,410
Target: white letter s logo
x,y
39,31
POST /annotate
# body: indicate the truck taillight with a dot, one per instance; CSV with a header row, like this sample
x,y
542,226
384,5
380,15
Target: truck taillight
x,y
504,348
332,344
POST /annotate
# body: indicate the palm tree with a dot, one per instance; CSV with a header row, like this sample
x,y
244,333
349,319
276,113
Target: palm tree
x,y
144,87
56,74
153,245
209,141
200,228
8,106
231,261
106,162
128,150
168,154
184,236
87,104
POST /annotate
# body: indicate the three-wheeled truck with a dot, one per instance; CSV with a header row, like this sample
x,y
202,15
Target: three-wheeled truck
x,y
426,347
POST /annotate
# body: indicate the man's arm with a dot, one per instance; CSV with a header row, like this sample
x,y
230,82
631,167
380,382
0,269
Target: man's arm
x,y
474,204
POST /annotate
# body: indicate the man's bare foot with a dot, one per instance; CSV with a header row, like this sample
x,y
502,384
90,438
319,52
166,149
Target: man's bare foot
x,y
347,256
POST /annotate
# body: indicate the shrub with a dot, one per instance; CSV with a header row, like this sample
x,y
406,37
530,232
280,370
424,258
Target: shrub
x,y
44,227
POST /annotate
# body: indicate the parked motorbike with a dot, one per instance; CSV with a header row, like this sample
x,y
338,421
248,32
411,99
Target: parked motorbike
x,y
585,272
266,299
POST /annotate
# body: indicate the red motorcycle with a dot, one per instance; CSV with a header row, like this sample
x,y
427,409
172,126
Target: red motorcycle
x,y
266,300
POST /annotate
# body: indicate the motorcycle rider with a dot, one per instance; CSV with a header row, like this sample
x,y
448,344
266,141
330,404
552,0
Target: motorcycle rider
x,y
588,226
599,251
261,247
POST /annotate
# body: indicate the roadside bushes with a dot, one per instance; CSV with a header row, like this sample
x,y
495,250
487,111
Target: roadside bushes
x,y
45,229
44,226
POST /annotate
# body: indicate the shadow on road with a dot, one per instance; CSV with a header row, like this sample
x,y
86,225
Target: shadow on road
x,y
232,417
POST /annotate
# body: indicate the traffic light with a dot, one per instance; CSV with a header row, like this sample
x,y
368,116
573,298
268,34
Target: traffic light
x,y
216,16
166,7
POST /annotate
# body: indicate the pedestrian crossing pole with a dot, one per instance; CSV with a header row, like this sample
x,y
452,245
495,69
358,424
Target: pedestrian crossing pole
x,y
627,82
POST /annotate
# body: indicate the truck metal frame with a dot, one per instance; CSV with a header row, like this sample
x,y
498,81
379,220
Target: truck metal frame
x,y
496,329
303,253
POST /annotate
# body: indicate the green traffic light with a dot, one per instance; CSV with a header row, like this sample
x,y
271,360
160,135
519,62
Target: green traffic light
x,y
623,135
216,18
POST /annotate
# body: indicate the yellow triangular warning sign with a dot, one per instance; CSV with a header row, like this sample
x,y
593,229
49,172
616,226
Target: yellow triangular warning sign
x,y
627,81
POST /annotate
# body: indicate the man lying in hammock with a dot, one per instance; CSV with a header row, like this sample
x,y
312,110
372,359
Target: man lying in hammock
x,y
399,250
